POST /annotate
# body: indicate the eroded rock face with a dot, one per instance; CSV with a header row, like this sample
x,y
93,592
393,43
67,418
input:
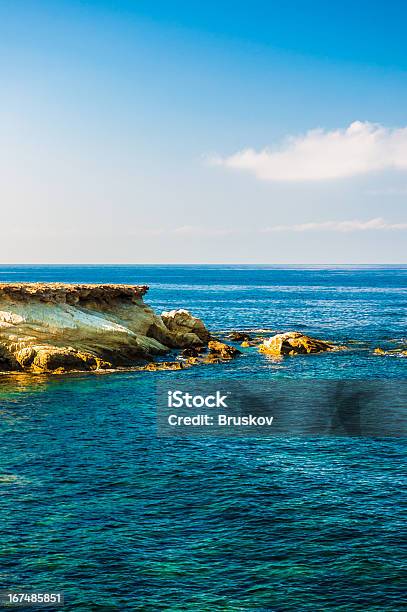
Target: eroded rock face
x,y
8,363
57,327
186,328
193,351
70,293
293,343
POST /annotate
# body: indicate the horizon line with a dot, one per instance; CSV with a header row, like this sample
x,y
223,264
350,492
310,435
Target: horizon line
x,y
25,264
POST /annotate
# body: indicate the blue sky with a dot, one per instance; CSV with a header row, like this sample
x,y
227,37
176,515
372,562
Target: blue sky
x,y
182,132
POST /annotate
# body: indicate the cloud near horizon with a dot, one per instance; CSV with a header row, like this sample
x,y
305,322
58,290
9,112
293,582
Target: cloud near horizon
x,y
338,226
319,155
355,225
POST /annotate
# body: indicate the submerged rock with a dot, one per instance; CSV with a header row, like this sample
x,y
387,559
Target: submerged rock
x,y
58,327
393,352
163,365
239,336
190,361
293,343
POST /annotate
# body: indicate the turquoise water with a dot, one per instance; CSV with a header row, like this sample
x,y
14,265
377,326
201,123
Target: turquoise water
x,y
95,505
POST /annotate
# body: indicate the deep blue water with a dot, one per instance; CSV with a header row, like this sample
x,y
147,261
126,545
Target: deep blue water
x,y
95,504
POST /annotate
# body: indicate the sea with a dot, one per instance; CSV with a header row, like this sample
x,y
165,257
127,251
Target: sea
x,y
94,504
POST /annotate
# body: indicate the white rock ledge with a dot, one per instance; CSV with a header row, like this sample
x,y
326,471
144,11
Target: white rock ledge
x,y
58,327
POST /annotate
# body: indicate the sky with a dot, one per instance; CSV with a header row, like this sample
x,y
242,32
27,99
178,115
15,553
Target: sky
x,y
203,132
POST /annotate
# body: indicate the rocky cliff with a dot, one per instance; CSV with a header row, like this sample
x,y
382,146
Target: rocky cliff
x,y
57,327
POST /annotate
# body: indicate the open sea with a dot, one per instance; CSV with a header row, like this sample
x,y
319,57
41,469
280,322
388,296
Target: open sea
x,y
94,504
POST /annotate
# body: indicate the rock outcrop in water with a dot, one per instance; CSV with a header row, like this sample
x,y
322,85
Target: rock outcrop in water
x,y
58,327
185,327
219,351
392,352
294,343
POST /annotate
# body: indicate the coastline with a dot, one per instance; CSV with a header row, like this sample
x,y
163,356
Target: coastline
x,y
60,327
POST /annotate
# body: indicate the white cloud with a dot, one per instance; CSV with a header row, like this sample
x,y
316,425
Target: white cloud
x,y
320,155
338,226
355,225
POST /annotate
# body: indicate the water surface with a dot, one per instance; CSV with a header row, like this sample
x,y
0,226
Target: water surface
x,y
94,504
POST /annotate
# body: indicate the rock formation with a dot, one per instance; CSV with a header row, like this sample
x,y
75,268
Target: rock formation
x,y
187,329
219,351
379,351
394,352
57,327
238,336
293,343
163,365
